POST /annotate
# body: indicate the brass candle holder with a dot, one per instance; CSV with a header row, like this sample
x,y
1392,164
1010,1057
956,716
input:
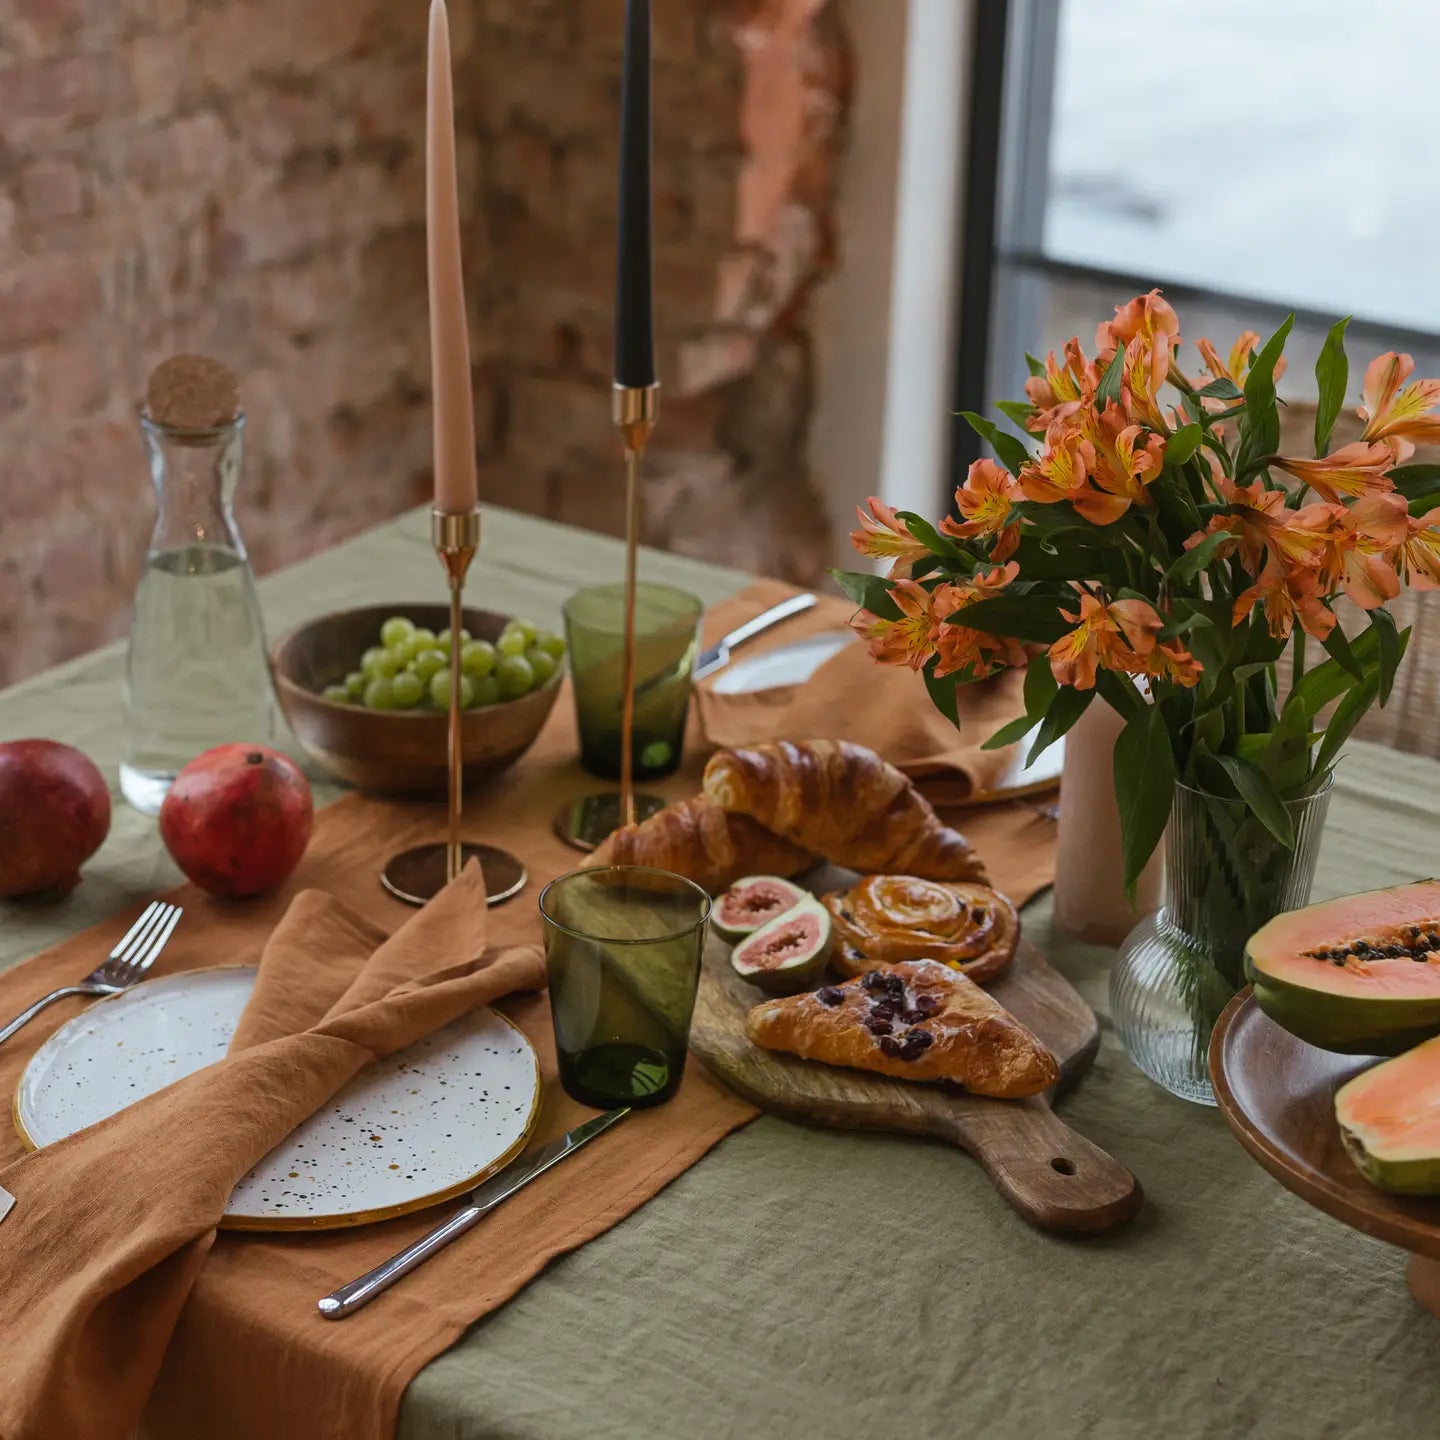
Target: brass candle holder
x,y
419,874
586,822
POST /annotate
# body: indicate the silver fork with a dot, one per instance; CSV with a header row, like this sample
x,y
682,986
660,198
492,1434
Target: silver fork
x,y
128,961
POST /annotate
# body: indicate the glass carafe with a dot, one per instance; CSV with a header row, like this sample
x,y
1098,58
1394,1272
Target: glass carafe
x,y
198,674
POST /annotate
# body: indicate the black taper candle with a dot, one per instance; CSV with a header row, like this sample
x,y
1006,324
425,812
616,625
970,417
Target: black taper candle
x,y
634,320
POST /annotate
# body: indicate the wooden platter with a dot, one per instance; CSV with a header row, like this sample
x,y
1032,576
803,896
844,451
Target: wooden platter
x,y
1278,1095
1050,1174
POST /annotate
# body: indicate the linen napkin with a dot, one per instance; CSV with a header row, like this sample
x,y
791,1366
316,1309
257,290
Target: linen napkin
x,y
111,1225
886,707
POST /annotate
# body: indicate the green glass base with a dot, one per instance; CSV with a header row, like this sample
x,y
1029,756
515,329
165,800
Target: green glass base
x,y
604,1076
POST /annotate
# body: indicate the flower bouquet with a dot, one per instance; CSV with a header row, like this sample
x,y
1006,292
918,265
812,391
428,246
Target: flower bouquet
x,y
1143,540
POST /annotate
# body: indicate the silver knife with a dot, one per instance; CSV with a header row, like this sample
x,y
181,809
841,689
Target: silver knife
x,y
349,1298
718,655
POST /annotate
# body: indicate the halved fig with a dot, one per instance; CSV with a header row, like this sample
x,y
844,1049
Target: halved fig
x,y
789,952
752,902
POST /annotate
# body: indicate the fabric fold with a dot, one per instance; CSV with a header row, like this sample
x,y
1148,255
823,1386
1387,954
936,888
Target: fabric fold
x,y
112,1224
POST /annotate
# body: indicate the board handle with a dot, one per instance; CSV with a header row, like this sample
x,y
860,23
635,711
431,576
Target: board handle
x,y
1049,1173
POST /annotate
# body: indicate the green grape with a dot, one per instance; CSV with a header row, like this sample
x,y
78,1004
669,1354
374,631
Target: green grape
x,y
487,691
512,642
440,689
443,639
379,694
551,643
407,690
355,685
396,631
514,676
526,629
542,663
427,663
422,639
336,694
656,755
477,658
378,664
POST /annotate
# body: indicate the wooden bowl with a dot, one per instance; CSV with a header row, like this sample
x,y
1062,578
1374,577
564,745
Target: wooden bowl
x,y
395,750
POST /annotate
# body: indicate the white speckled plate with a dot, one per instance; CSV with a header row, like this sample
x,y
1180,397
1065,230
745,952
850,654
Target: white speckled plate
x,y
422,1126
796,663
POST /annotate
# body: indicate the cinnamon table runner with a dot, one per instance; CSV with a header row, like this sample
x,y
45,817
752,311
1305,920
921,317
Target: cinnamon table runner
x,y
251,1356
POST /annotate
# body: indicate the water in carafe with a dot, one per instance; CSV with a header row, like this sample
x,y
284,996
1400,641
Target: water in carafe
x,y
198,674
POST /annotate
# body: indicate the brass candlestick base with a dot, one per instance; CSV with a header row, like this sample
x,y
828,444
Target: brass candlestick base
x,y
586,822
421,873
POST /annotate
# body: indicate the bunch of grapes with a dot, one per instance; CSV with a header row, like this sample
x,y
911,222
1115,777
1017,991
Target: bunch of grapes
x,y
410,668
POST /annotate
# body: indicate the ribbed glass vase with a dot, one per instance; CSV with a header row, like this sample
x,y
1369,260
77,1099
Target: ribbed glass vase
x,y
1225,876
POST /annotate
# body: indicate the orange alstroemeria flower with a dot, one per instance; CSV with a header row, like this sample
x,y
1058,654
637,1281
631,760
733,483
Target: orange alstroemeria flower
x,y
883,535
1059,471
1145,317
910,640
1062,389
1171,661
985,501
1112,635
959,646
1286,598
1362,542
1419,555
1235,366
1353,470
1263,525
1124,462
1395,412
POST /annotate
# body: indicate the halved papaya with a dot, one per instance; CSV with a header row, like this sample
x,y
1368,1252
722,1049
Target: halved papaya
x,y
1390,1121
1360,975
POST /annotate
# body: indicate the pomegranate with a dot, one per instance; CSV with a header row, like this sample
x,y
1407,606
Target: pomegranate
x,y
54,812
237,819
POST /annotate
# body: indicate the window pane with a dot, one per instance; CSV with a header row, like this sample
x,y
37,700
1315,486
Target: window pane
x,y
1278,149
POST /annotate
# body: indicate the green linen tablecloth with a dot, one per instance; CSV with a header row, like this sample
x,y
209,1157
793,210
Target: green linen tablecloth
x,y
802,1282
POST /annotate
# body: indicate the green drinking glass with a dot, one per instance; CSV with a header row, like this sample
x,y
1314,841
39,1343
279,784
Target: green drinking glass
x,y
667,635
623,946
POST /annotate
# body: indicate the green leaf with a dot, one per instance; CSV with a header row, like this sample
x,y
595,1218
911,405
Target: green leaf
x,y
1337,643
1041,688
1019,412
1144,788
1327,681
1036,367
1012,452
1196,560
1348,714
1423,504
1065,709
1118,692
1109,387
1414,480
1391,649
1286,759
931,538
1035,619
1260,426
1222,388
944,693
1332,374
870,592
1183,443
1257,791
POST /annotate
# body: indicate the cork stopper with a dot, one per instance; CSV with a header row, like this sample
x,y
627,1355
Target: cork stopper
x,y
191,392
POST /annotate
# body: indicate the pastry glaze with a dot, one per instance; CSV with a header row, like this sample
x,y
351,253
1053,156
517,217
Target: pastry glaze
x,y
975,1041
843,802
697,839
888,918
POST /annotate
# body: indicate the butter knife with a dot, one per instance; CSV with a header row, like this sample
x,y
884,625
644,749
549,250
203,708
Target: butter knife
x,y
349,1298
718,655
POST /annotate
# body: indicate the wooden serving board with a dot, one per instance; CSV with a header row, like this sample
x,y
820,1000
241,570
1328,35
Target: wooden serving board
x,y
1048,1172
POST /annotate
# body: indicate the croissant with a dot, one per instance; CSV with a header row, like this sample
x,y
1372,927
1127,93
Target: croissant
x,y
887,918
699,840
843,802
918,1020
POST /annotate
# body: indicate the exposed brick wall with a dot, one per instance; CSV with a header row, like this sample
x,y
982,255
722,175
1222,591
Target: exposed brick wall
x,y
245,177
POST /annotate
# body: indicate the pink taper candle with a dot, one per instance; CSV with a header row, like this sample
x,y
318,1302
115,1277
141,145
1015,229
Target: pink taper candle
x,y
449,341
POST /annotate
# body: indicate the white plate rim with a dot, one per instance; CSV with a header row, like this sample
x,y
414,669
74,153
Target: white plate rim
x,y
337,1221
